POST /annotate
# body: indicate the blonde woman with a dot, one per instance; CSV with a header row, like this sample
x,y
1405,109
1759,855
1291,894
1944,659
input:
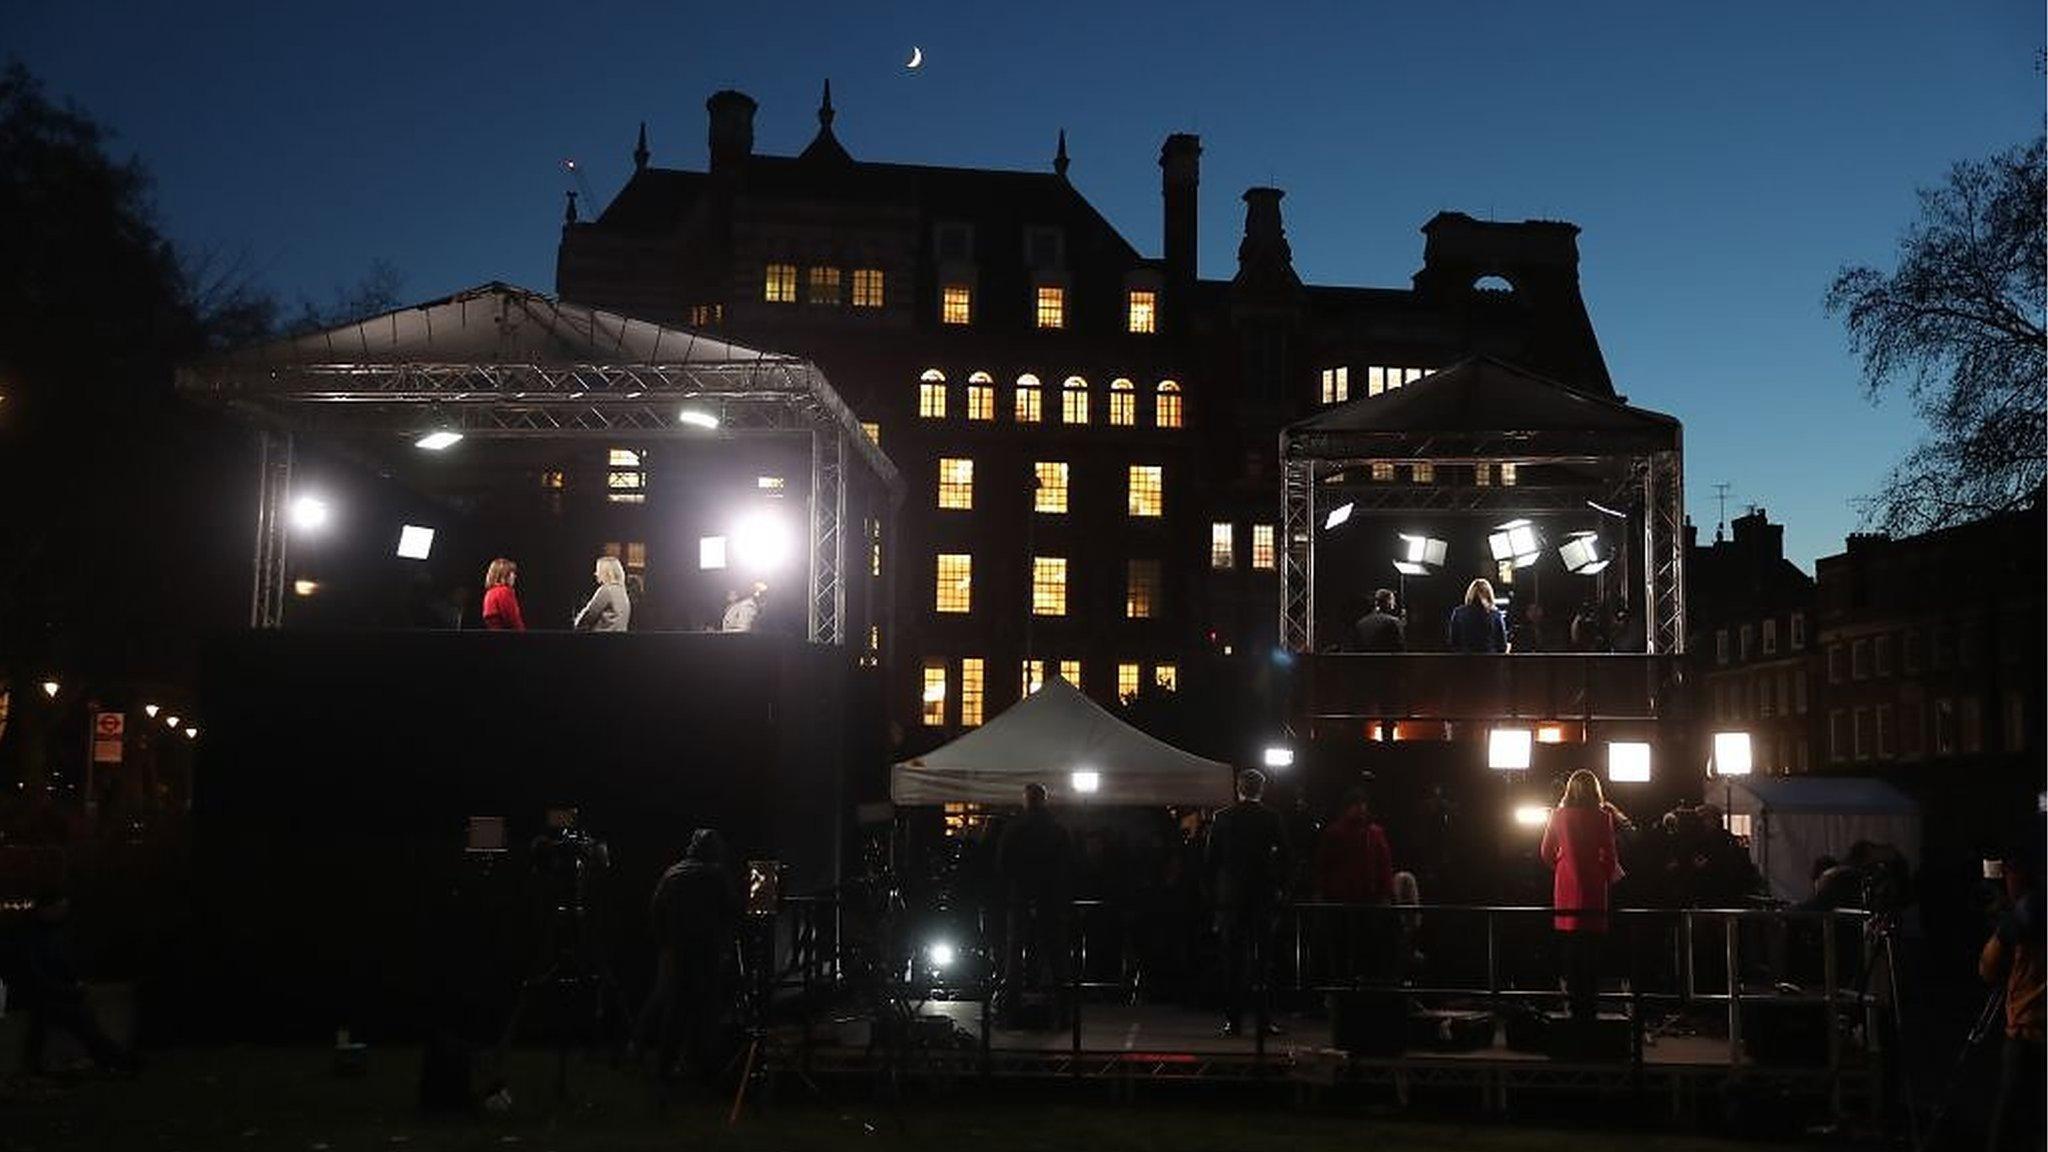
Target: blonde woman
x,y
609,608
1476,625
1579,847
501,604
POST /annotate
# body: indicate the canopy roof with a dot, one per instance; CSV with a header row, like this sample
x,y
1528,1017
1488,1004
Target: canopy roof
x,y
1798,819
1047,737
1844,794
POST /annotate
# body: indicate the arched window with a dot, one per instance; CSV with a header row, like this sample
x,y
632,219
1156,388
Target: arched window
x,y
1074,401
1123,403
981,396
1499,284
1029,400
931,394
1167,414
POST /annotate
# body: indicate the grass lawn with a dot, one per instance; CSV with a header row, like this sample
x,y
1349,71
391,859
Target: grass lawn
x,y
264,1098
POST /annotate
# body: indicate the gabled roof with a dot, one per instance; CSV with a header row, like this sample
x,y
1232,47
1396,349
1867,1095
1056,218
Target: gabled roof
x,y
495,324
1048,736
1483,395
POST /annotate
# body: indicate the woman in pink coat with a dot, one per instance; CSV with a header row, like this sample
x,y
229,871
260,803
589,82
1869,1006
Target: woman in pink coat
x,y
1579,847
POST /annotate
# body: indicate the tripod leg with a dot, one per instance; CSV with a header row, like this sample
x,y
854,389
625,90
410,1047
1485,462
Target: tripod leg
x,y
739,1096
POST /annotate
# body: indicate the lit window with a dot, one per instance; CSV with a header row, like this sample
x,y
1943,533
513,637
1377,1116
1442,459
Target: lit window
x,y
1034,677
1144,311
1126,681
823,287
1504,572
1167,414
874,432
779,284
1508,475
1052,307
1029,400
1482,475
1123,403
981,397
1167,676
1141,590
956,483
1051,492
1222,545
1262,546
970,691
770,483
956,304
934,693
626,480
706,315
1074,401
1336,385
931,394
1048,586
1382,470
874,547
955,592
1422,473
1147,495
867,287
552,479
1070,671
1376,381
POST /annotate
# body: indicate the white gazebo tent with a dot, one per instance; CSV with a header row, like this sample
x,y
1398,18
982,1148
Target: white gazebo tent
x,y
1795,819
1051,736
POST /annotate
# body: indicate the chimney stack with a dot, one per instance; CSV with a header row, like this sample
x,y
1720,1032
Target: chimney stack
x,y
732,130
1180,172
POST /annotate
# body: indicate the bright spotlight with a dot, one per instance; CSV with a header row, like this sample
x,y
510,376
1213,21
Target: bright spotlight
x,y
1086,781
439,440
939,953
1731,754
1532,815
762,542
305,587
1517,541
1581,554
1338,515
150,710
170,721
1420,555
710,552
1628,762
191,733
415,542
697,418
50,688
1278,756
1508,749
310,513
1604,510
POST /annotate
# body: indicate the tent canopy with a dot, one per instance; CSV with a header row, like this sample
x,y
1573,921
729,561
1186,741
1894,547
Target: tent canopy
x,y
1047,737
1797,819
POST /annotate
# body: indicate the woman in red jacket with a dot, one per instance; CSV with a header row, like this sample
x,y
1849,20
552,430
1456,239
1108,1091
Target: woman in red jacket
x,y
1579,847
501,606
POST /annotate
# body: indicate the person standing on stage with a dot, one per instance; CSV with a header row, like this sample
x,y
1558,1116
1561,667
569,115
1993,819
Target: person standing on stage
x,y
1381,630
1247,860
1033,860
741,614
609,608
501,604
1476,625
1355,866
1579,847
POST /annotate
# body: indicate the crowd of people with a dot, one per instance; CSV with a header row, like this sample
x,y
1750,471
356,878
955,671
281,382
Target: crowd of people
x,y
610,607
1479,624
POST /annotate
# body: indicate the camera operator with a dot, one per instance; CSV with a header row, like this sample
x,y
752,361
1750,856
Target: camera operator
x,y
696,911
2014,956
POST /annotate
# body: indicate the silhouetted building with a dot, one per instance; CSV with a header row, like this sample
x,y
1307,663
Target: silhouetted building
x,y
1750,615
1088,434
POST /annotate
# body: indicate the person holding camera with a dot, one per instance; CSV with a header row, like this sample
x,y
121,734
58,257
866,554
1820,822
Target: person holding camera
x,y
696,912
2014,956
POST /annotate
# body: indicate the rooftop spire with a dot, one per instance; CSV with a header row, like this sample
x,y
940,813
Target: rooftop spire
x,y
825,112
569,214
640,153
1059,158
825,147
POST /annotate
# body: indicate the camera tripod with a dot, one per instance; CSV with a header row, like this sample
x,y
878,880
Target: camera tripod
x,y
1987,1026
572,970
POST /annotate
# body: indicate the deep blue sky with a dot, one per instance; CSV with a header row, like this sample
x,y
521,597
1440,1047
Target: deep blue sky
x,y
1723,159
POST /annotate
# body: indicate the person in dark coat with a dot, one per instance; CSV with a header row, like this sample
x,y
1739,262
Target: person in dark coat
x,y
1381,630
56,996
696,911
1477,625
1034,860
1579,847
1248,864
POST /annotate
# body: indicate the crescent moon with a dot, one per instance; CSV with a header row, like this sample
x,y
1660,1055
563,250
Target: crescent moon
x,y
916,57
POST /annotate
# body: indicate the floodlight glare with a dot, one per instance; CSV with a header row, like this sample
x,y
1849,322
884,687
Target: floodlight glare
x,y
310,513
710,552
1279,756
170,721
1605,510
697,418
1086,781
939,953
438,440
761,542
934,693
191,733
1407,569
50,688
1508,749
150,710
415,542
1731,754
1337,516
1421,551
1532,815
305,587
1628,762
1581,554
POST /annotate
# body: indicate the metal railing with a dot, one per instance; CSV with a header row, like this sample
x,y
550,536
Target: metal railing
x,y
1453,686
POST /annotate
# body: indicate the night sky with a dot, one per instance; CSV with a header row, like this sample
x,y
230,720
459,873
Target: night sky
x,y
1722,159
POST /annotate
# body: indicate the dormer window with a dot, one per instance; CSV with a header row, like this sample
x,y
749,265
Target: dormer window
x,y
1052,306
954,242
956,304
1044,248
1143,311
